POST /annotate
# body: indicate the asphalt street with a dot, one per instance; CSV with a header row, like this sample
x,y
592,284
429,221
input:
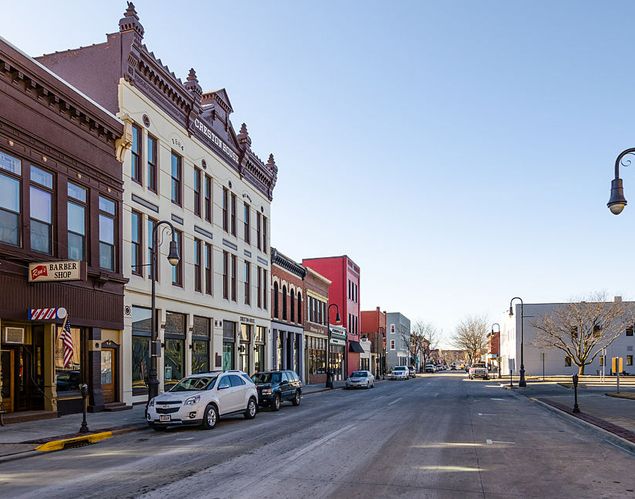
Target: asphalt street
x,y
437,436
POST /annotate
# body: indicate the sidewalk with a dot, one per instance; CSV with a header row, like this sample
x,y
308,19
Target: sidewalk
x,y
610,417
19,440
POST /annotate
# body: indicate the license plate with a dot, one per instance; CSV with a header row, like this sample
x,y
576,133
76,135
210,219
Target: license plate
x,y
165,419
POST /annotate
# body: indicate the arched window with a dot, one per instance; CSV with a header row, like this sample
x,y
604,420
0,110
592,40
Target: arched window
x,y
275,300
284,303
292,304
299,308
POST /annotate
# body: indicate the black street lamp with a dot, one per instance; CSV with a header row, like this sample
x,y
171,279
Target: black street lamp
x,y
499,346
382,365
155,343
617,202
329,374
521,383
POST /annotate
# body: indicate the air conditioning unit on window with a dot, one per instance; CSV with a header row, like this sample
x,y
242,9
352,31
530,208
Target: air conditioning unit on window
x,y
13,335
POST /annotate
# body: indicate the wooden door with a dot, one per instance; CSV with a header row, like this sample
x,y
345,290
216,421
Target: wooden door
x,y
7,373
108,375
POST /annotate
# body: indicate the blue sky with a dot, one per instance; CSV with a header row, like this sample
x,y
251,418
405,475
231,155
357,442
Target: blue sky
x,y
459,152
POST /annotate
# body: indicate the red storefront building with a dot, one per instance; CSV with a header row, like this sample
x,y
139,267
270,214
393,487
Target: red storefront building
x,y
344,275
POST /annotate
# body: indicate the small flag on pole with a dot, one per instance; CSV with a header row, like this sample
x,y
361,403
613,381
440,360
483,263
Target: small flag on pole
x,y
67,341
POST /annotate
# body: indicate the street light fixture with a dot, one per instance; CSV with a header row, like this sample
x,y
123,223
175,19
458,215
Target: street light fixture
x,y
329,375
617,202
522,383
155,343
499,346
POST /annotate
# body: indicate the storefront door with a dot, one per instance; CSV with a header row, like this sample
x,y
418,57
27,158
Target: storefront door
x,y
7,368
108,375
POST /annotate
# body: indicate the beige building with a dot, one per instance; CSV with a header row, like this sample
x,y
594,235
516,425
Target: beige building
x,y
188,169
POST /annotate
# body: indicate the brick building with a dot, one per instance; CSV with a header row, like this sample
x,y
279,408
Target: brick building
x,y
373,327
316,289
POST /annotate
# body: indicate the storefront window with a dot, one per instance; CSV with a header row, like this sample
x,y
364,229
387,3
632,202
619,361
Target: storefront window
x,y
229,340
68,378
200,345
245,347
174,348
259,353
316,355
140,349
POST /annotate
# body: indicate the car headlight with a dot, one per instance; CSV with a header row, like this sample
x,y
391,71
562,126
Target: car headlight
x,y
192,400
266,391
151,404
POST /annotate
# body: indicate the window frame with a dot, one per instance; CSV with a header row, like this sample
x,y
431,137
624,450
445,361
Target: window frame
x,y
152,164
103,214
136,171
176,193
177,270
137,252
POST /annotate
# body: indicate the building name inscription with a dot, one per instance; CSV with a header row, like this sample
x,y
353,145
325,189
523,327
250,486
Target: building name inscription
x,y
216,140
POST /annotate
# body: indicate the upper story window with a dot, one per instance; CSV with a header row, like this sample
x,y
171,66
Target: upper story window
x,y
107,215
264,234
198,268
136,239
41,209
258,232
233,214
292,304
76,215
299,308
135,150
177,270
153,165
247,283
177,175
151,224
275,299
246,218
208,198
225,209
197,191
284,303
10,212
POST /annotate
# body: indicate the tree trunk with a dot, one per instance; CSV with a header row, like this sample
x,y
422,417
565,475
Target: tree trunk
x,y
581,370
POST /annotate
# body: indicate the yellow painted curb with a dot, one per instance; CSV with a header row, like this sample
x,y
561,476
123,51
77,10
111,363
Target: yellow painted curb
x,y
60,444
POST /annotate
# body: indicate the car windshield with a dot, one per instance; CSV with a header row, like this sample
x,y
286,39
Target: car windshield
x,y
194,384
260,378
400,369
478,365
359,374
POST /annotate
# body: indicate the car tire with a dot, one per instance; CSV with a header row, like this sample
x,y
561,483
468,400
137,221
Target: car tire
x,y
252,409
210,417
296,398
275,403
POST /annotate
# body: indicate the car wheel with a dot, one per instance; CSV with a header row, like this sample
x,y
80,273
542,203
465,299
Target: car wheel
x,y
296,398
275,403
250,413
210,417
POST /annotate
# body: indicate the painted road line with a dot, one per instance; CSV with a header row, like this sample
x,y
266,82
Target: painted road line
x,y
319,442
481,414
490,442
395,401
498,399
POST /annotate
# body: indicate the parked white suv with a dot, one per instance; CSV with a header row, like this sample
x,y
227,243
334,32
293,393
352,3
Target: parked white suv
x,y
400,372
201,399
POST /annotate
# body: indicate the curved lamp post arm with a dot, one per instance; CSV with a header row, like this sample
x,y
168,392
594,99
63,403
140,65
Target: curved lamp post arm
x,y
521,382
617,202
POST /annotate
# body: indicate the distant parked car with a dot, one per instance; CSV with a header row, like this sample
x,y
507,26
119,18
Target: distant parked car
x,y
274,387
201,399
411,372
430,368
360,379
400,372
478,370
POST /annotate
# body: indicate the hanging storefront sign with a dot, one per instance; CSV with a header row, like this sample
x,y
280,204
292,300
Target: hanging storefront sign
x,y
55,271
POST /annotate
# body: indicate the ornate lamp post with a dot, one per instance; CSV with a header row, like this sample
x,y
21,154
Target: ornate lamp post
x,y
617,202
499,346
155,343
329,374
521,382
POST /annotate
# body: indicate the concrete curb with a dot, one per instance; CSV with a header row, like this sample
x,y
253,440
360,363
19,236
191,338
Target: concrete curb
x,y
54,445
603,434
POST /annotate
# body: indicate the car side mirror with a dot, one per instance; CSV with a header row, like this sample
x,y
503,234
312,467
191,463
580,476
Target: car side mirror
x,y
223,387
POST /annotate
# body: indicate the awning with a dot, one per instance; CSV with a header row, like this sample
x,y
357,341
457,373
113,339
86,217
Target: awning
x,y
354,346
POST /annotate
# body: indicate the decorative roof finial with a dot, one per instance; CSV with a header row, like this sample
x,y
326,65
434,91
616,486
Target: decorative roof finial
x,y
243,137
192,83
271,164
130,22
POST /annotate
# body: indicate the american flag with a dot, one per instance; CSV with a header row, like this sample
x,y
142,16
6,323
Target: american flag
x,y
67,341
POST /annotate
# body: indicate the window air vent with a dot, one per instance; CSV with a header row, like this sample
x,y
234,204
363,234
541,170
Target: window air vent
x,y
13,335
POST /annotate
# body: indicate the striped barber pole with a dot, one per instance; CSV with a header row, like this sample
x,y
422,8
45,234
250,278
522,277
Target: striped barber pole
x,y
42,314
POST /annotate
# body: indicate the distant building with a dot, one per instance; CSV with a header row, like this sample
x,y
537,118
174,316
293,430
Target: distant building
x,y
287,313
553,361
344,292
316,288
397,340
373,327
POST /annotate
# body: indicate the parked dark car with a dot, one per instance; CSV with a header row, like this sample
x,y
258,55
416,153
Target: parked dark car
x,y
274,387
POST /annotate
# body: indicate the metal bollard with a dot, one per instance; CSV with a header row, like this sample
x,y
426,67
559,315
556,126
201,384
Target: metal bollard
x,y
84,390
575,387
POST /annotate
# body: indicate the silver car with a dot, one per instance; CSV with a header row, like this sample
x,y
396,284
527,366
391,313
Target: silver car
x,y
201,399
360,379
400,372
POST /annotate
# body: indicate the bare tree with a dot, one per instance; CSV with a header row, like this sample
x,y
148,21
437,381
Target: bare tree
x,y
581,329
471,336
424,337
